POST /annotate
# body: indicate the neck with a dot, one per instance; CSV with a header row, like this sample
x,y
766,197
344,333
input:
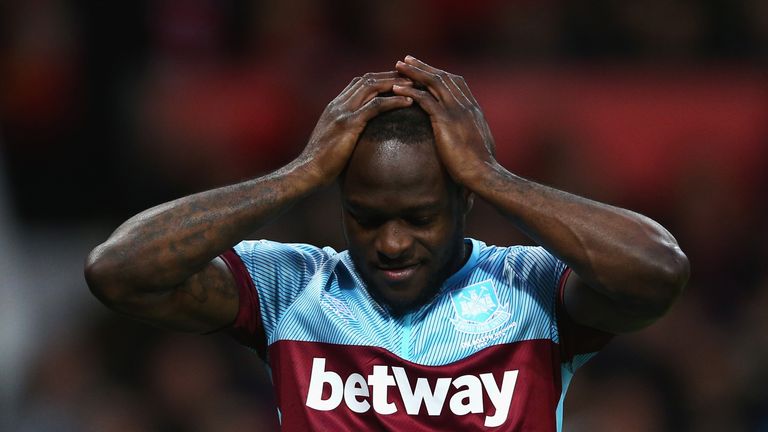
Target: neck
x,y
462,258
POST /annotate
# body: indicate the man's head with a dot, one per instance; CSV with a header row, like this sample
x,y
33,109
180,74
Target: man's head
x,y
403,214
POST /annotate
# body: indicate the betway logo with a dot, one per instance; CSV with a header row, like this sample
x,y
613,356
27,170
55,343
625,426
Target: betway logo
x,y
360,394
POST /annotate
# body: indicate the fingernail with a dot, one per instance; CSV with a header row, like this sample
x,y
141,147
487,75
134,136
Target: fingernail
x,y
409,100
399,63
409,57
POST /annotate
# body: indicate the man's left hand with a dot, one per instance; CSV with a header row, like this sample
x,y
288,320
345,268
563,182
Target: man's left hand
x,y
462,137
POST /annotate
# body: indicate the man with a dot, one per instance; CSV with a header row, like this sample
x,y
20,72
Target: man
x,y
414,327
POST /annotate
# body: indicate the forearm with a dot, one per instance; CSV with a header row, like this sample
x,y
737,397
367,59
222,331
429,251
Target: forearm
x,y
622,254
628,269
163,246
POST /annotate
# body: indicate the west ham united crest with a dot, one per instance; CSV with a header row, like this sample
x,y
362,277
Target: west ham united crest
x,y
478,309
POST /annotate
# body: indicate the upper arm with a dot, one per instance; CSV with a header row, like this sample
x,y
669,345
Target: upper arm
x,y
206,301
277,274
588,307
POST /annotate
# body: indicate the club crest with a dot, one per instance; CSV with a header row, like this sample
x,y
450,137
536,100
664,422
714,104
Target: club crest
x,y
478,309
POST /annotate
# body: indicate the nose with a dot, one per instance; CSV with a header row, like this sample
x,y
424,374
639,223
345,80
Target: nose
x,y
393,242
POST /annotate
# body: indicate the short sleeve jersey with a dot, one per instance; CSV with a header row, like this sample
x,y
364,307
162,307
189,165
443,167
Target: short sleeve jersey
x,y
493,350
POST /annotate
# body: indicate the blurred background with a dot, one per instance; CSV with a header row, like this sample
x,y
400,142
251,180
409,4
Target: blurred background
x,y
108,108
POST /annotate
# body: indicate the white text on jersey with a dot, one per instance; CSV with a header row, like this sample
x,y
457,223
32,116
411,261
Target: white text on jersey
x,y
357,395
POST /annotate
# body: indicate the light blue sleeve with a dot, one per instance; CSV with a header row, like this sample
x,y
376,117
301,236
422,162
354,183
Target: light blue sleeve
x,y
279,271
540,272
544,274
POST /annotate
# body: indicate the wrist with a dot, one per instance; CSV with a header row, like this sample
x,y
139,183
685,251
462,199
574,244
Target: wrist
x,y
483,175
308,175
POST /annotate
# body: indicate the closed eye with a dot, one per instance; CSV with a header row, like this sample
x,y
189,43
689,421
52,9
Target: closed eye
x,y
367,221
421,220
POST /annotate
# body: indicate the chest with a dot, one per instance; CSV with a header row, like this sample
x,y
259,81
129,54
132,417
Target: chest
x,y
458,323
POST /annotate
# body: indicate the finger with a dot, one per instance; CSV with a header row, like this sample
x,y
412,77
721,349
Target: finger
x,y
370,75
411,60
424,98
452,81
386,74
381,104
368,88
462,84
458,92
349,86
435,81
479,118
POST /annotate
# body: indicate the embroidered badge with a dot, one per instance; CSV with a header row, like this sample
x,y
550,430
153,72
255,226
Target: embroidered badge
x,y
478,309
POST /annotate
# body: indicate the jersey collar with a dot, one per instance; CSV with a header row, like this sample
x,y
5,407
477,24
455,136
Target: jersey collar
x,y
468,265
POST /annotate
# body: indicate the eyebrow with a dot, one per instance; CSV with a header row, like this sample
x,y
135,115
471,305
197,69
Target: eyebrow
x,y
425,207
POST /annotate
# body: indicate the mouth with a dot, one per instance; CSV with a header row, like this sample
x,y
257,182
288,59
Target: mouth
x,y
398,274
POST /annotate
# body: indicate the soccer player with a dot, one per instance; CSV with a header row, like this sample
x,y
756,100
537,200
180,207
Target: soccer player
x,y
414,327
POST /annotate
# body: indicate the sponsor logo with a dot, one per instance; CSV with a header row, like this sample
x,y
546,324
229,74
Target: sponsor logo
x,y
362,393
478,309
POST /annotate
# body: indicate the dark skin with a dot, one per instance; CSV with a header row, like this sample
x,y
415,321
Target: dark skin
x,y
403,220
161,266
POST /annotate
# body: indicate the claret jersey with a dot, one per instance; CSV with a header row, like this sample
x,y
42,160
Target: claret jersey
x,y
494,350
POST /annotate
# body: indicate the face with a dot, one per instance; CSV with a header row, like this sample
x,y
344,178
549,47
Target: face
x,y
403,221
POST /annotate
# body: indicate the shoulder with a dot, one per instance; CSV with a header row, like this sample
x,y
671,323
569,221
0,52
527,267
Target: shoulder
x,y
272,253
529,267
530,259
519,258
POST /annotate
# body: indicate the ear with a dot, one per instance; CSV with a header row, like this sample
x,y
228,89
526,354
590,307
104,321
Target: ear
x,y
469,200
343,218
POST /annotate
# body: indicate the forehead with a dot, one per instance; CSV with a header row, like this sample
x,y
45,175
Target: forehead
x,y
393,175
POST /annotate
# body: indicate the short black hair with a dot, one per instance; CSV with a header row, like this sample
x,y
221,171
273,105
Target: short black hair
x,y
407,125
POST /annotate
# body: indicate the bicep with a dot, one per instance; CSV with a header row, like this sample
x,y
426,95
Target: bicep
x,y
206,301
588,307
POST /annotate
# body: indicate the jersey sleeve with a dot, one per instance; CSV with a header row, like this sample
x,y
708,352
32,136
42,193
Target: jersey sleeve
x,y
545,274
578,343
269,276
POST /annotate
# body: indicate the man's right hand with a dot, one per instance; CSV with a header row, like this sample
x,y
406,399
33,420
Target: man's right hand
x,y
344,119
162,265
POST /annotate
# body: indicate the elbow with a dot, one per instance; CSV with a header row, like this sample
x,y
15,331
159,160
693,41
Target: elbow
x,y
671,270
674,271
102,277
655,285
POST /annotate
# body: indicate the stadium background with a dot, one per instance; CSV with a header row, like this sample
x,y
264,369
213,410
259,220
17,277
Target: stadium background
x,y
108,108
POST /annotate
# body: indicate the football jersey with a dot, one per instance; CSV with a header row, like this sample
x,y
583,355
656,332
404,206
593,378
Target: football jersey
x,y
492,350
